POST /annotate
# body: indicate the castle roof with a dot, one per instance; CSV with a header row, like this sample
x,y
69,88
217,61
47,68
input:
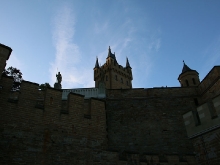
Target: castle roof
x,y
186,68
110,54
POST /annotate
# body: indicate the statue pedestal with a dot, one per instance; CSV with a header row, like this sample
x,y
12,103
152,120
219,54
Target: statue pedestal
x,y
57,86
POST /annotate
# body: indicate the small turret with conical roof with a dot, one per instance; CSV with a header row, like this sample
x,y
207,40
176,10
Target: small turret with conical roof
x,y
188,77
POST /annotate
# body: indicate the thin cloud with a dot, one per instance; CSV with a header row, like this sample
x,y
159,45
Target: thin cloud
x,y
213,54
155,44
68,55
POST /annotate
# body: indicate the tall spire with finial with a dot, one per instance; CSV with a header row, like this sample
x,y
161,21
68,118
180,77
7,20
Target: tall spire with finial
x,y
127,63
97,63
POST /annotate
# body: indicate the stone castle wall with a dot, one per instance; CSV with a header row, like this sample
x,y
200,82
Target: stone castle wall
x,y
37,127
130,126
149,120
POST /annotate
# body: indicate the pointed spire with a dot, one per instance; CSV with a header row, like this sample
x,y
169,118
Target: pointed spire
x,y
185,67
109,52
97,63
127,63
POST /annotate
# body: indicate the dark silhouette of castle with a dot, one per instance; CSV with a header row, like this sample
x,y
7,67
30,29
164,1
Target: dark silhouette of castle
x,y
111,123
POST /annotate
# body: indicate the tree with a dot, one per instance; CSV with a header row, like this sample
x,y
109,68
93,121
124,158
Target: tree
x,y
44,86
17,76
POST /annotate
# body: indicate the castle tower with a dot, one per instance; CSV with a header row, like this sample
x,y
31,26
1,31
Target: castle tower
x,y
114,75
5,52
188,77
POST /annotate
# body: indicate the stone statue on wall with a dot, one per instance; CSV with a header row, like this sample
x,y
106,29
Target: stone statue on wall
x,y
59,78
58,85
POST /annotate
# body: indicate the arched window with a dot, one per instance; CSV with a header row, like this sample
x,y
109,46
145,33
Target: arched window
x,y
187,83
194,82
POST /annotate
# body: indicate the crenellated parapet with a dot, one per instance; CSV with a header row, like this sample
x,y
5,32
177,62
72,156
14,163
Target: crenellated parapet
x,y
34,109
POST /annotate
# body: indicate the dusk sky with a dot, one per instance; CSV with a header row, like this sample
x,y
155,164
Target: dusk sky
x,y
66,35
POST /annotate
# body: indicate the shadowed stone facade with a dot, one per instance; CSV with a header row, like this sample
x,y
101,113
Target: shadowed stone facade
x,y
153,126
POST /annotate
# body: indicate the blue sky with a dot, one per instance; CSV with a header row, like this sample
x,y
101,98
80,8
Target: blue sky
x,y
155,35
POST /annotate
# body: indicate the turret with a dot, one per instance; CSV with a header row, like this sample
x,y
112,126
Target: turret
x,y
113,75
5,53
188,77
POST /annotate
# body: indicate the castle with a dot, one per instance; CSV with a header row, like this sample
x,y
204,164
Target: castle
x,y
111,123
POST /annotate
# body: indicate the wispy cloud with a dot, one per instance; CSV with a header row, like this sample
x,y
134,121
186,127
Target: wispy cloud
x,y
68,55
155,44
212,53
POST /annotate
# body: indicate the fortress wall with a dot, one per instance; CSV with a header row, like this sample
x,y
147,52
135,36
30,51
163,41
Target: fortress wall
x,y
50,112
33,127
91,125
213,91
206,135
172,92
207,148
124,93
148,125
152,92
209,116
210,80
5,52
6,83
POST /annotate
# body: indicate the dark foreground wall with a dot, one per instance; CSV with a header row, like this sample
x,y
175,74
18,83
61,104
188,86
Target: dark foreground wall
x,y
151,125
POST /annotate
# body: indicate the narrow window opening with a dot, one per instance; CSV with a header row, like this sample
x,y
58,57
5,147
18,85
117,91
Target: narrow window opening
x,y
127,83
187,83
51,100
106,78
116,78
196,101
121,80
194,82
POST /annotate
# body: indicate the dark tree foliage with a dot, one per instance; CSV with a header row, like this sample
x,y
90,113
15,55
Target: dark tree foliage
x,y
17,75
44,86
